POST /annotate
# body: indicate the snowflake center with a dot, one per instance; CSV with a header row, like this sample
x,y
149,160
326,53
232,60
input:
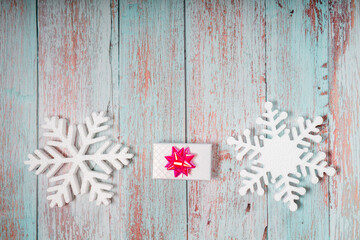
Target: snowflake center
x,y
280,155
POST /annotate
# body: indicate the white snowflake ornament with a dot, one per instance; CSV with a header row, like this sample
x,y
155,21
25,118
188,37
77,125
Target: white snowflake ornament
x,y
69,146
282,155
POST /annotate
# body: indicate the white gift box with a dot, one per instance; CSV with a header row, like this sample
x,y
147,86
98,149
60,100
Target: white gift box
x,y
201,160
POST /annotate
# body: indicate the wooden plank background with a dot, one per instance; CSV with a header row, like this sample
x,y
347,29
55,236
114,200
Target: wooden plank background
x,y
18,119
179,71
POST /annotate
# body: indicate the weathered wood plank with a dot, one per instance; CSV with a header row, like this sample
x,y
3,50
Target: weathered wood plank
x,y
18,80
345,118
225,46
150,107
74,81
297,81
116,204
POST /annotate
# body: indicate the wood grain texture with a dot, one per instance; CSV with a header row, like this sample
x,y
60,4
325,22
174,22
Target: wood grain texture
x,y
117,203
74,81
128,57
18,70
345,118
150,95
297,82
225,62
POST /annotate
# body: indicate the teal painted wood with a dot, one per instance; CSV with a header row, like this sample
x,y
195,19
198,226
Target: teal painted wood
x,y
345,118
115,218
225,46
297,81
150,95
74,81
18,70
128,58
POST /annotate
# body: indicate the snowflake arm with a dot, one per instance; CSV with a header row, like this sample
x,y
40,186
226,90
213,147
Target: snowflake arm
x,y
93,125
316,166
49,158
271,119
246,146
61,193
304,136
116,157
56,129
289,191
99,191
253,180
